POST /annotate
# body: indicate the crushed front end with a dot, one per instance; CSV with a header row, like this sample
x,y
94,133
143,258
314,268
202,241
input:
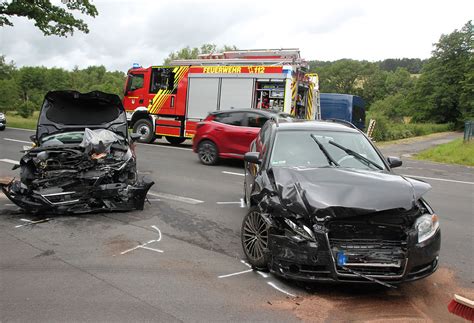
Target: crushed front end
x,y
378,246
68,178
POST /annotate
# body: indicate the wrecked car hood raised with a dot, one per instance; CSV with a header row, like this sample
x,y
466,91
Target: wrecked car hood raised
x,y
71,110
320,188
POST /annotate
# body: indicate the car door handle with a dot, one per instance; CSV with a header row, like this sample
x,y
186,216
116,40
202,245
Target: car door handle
x,y
249,132
218,129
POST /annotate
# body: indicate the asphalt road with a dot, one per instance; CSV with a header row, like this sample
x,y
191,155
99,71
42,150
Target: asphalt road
x,y
188,265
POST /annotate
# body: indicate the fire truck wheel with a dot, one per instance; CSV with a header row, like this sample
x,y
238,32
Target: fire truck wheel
x,y
207,152
145,129
175,140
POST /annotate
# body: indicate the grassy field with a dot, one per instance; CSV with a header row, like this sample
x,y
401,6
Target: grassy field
x,y
455,152
16,121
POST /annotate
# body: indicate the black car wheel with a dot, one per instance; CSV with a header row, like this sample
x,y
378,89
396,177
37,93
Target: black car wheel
x,y
175,140
145,129
207,151
254,237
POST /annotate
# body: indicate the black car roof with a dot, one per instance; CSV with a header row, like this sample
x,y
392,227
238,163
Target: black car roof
x,y
314,125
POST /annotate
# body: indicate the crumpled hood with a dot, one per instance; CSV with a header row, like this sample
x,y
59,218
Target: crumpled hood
x,y
73,111
320,188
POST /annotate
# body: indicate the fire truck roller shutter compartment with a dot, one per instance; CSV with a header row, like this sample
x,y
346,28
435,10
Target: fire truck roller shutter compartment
x,y
203,94
236,93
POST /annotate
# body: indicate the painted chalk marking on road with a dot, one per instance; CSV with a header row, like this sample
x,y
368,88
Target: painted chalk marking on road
x,y
232,173
10,161
29,222
280,289
235,274
176,198
272,284
144,246
439,179
16,140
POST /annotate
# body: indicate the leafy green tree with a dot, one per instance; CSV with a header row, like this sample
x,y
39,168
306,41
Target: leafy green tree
x,y
50,19
344,76
192,53
444,91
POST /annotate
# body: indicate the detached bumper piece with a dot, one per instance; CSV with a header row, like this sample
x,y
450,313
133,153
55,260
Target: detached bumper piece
x,y
108,197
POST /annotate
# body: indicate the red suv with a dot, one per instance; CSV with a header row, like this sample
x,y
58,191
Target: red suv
x,y
228,133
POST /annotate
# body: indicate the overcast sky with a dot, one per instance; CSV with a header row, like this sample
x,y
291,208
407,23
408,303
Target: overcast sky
x,y
128,31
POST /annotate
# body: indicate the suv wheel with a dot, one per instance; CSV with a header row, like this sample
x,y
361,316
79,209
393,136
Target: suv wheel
x,y
145,129
175,140
254,236
207,152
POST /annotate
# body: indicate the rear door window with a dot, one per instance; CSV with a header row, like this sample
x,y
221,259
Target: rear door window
x,y
256,120
231,118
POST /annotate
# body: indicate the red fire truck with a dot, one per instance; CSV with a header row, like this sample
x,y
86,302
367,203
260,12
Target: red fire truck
x,y
169,101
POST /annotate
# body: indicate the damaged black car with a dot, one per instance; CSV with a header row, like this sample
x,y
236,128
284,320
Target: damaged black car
x,y
83,159
326,206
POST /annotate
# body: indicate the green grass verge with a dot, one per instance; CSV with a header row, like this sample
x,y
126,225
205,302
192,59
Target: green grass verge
x,y
454,152
16,121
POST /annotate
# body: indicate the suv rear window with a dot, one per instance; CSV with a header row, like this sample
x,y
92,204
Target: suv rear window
x,y
230,118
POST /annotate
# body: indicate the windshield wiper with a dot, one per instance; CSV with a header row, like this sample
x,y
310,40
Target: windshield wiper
x,y
356,155
325,152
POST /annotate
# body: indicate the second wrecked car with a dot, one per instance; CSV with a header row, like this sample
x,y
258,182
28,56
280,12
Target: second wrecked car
x,y
83,159
325,206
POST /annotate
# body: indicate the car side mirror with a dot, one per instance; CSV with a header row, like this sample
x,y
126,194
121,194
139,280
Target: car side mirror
x,y
33,138
394,162
135,136
252,157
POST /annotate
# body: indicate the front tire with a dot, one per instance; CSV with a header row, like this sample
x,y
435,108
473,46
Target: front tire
x,y
144,127
208,153
254,236
175,140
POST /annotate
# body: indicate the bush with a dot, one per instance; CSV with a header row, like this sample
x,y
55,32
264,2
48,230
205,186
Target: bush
x,y
388,130
26,109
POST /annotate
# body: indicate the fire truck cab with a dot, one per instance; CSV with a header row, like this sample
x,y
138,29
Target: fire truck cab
x,y
169,101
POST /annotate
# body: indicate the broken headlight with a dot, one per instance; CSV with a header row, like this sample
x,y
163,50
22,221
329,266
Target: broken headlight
x,y
302,231
426,225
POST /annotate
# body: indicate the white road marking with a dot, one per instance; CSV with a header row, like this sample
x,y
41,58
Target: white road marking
x,y
9,204
164,146
232,173
31,130
16,140
439,179
280,289
176,198
10,161
154,200
227,203
144,246
234,274
242,203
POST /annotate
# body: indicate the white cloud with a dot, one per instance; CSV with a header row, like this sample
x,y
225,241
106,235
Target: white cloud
x,y
146,31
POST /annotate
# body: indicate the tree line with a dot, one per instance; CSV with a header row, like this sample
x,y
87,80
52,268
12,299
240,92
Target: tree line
x,y
23,89
438,90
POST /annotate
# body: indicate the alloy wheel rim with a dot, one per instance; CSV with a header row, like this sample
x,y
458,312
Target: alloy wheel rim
x,y
255,235
207,153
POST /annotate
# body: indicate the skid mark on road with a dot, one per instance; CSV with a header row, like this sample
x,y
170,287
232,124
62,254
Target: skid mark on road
x,y
264,275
